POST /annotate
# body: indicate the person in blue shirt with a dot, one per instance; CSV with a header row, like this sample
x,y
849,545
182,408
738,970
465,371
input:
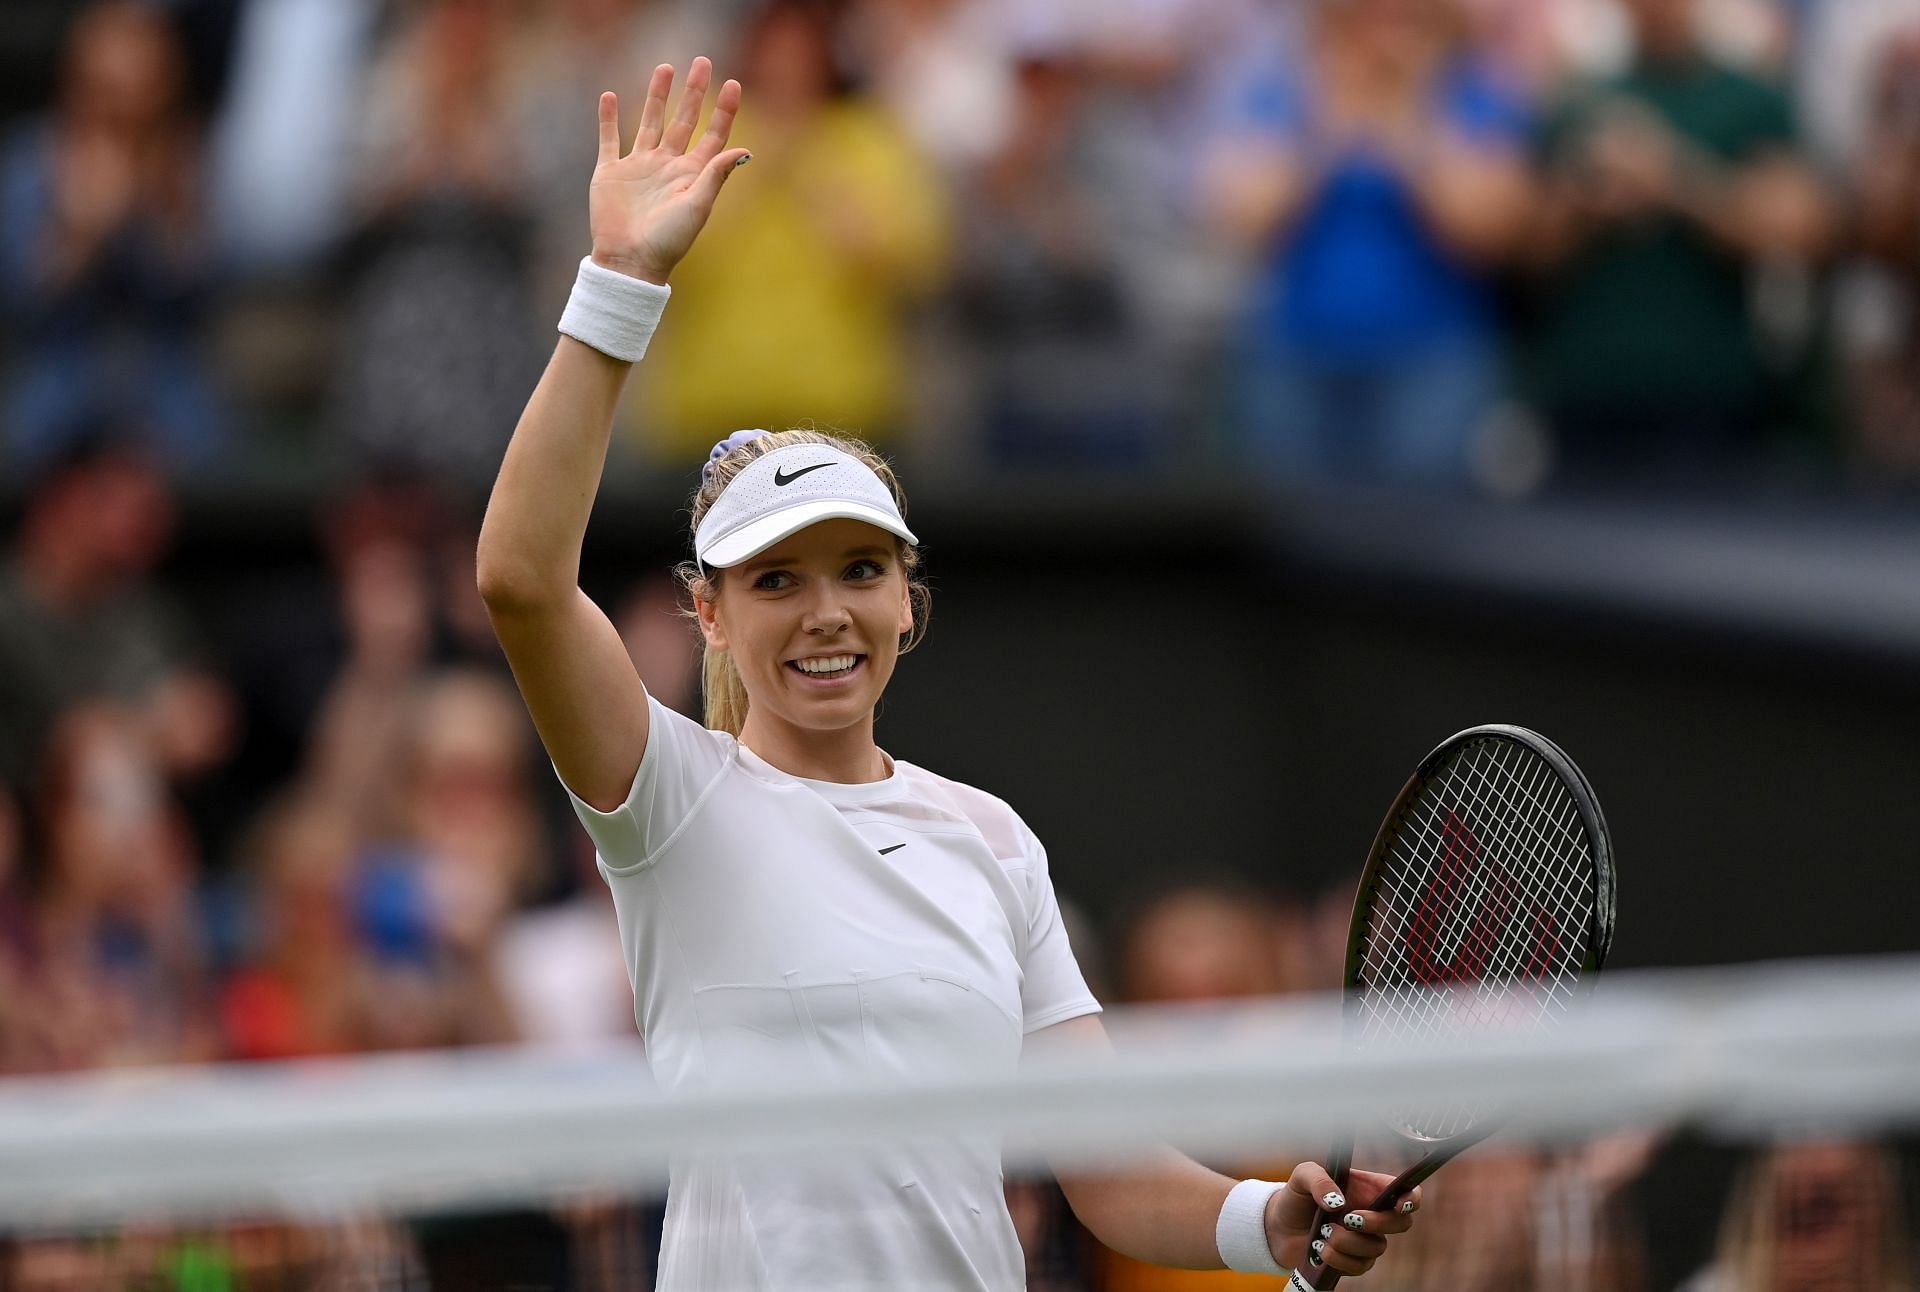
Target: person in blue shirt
x,y
1377,171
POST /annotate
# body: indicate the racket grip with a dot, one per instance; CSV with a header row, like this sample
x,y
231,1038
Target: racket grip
x,y
1310,1277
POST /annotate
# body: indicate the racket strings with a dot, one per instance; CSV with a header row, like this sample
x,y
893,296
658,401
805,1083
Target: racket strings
x,y
1481,911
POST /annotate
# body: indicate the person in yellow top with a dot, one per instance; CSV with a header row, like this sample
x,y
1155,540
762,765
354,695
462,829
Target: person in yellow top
x,y
794,300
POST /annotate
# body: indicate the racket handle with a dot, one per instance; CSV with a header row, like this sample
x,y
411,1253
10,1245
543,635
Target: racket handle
x,y
1339,1165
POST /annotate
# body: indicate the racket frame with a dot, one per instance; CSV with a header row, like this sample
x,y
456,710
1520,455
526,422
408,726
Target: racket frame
x,y
1339,1162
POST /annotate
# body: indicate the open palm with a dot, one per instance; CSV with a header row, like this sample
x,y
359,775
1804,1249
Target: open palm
x,y
647,207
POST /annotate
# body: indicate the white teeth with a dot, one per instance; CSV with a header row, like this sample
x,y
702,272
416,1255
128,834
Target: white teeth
x,y
830,664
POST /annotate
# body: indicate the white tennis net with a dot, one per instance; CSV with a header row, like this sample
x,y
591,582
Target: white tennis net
x,y
1733,1052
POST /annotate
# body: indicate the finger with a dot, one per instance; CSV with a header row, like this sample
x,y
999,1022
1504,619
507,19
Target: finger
x,y
1377,1222
706,189
1311,1181
609,127
699,76
1321,1251
720,124
654,114
1362,1247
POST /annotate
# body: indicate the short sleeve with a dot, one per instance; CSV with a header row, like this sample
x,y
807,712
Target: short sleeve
x,y
1052,988
1270,104
1486,108
683,764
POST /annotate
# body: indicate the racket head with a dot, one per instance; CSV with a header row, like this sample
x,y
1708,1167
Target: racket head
x,y
1487,903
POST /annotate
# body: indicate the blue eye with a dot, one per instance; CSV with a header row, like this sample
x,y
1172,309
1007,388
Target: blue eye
x,y
771,581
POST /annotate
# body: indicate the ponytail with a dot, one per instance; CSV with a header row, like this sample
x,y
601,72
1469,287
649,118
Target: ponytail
x,y
722,692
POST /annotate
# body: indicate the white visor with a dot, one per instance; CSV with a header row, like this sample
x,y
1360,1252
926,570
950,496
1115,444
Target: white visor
x,y
782,492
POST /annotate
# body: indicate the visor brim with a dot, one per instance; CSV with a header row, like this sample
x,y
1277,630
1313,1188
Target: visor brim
x,y
762,532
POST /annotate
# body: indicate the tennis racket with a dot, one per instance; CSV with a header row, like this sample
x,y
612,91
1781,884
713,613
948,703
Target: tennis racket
x,y
1487,905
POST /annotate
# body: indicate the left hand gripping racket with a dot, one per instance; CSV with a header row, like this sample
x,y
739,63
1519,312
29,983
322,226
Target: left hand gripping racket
x,y
1486,906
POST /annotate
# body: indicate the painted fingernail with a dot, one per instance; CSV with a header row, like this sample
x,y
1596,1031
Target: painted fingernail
x,y
1333,1201
1353,1220
1318,1246
1406,1208
743,159
1315,1259
1326,1231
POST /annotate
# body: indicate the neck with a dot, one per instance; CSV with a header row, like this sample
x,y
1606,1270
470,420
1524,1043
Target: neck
x,y
1669,43
845,757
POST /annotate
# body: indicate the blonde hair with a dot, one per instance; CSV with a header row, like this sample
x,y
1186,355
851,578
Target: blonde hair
x,y
1749,1237
722,690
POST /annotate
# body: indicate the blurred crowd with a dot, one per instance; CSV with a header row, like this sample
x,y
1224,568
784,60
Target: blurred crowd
x,y
1483,245
1472,245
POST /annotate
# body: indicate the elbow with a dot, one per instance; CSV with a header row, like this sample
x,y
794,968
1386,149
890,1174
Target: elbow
x,y
507,586
494,578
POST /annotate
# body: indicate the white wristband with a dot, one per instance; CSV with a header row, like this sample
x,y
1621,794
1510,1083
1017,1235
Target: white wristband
x,y
613,312
1241,1231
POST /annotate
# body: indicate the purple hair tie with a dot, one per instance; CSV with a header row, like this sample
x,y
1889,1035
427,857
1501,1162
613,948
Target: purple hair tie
x,y
725,447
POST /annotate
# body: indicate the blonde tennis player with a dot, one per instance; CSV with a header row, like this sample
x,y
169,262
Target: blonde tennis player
x,y
791,899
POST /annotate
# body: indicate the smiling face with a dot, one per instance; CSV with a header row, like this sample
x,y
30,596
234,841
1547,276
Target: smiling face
x,y
813,625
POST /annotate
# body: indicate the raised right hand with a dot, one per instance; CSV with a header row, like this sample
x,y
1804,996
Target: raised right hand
x,y
647,207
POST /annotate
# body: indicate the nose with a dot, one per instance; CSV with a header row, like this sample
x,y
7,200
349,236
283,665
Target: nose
x,y
826,613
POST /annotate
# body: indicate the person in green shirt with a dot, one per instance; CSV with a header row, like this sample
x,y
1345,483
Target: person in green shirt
x,y
1668,187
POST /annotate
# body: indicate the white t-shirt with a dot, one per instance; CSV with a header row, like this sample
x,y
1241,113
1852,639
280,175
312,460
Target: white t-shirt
x,y
773,924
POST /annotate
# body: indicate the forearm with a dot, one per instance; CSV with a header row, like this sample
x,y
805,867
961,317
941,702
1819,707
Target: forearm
x,y
1255,192
537,516
1775,209
1477,206
1163,1212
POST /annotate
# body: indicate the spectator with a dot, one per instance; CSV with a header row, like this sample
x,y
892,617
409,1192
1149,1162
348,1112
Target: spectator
x,y
455,847
1671,187
304,986
797,299
115,968
1155,69
1200,943
570,51
296,71
440,341
1879,300
1837,74
1522,1221
944,71
1190,945
80,619
104,266
392,598
1064,373
1813,1217
1379,169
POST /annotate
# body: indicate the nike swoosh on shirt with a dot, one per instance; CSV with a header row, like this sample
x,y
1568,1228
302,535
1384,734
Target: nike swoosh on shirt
x,y
894,848
788,477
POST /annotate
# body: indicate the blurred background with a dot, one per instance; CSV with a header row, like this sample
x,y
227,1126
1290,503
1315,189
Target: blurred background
x,y
1280,385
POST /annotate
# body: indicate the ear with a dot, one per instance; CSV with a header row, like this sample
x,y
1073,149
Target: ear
x,y
710,626
906,607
